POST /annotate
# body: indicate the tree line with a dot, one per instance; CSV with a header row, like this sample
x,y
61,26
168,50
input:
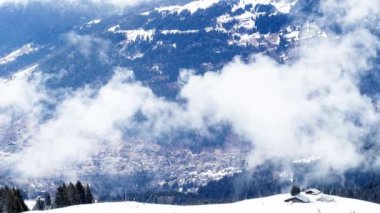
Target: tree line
x,y
66,196
11,201
73,195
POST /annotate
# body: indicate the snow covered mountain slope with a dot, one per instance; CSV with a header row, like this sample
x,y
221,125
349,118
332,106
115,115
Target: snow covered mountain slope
x,y
268,204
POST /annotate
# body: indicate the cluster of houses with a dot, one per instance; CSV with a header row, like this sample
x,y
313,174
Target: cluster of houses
x,y
309,195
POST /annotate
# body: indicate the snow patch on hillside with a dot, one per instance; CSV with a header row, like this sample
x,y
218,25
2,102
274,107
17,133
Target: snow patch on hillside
x,y
307,160
246,20
91,23
25,73
24,50
138,34
192,7
167,32
96,21
282,6
135,56
114,29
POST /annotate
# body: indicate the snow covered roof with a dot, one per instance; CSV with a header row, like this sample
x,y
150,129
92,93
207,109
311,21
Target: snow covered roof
x,y
298,198
326,198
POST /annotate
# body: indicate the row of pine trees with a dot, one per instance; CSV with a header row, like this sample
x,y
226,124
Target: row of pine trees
x,y
11,200
73,195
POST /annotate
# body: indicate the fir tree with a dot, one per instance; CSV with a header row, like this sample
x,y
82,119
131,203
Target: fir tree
x,y
89,198
20,200
72,194
11,204
61,198
80,193
11,200
47,200
40,205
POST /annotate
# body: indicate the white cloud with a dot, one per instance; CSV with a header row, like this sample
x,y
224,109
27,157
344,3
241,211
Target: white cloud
x,y
309,108
90,119
120,3
350,11
21,105
13,1
89,45
83,122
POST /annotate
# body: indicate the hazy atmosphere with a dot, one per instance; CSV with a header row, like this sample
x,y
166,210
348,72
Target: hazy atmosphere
x,y
180,96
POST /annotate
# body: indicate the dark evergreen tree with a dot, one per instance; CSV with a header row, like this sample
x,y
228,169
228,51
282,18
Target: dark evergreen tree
x,y
40,204
20,200
80,193
11,201
295,190
89,198
72,194
61,198
11,205
47,199
2,200
7,201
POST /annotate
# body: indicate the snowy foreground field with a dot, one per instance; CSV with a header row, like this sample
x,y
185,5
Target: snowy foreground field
x,y
268,204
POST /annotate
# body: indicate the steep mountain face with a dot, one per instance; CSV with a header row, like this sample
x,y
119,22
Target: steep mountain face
x,y
155,43
79,47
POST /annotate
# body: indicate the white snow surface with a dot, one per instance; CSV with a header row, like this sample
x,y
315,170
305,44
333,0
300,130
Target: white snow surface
x,y
96,21
293,35
166,32
133,35
283,6
113,28
25,73
261,205
139,34
192,7
306,160
30,203
24,50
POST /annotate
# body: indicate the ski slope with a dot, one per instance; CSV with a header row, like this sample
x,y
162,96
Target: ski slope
x,y
264,205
